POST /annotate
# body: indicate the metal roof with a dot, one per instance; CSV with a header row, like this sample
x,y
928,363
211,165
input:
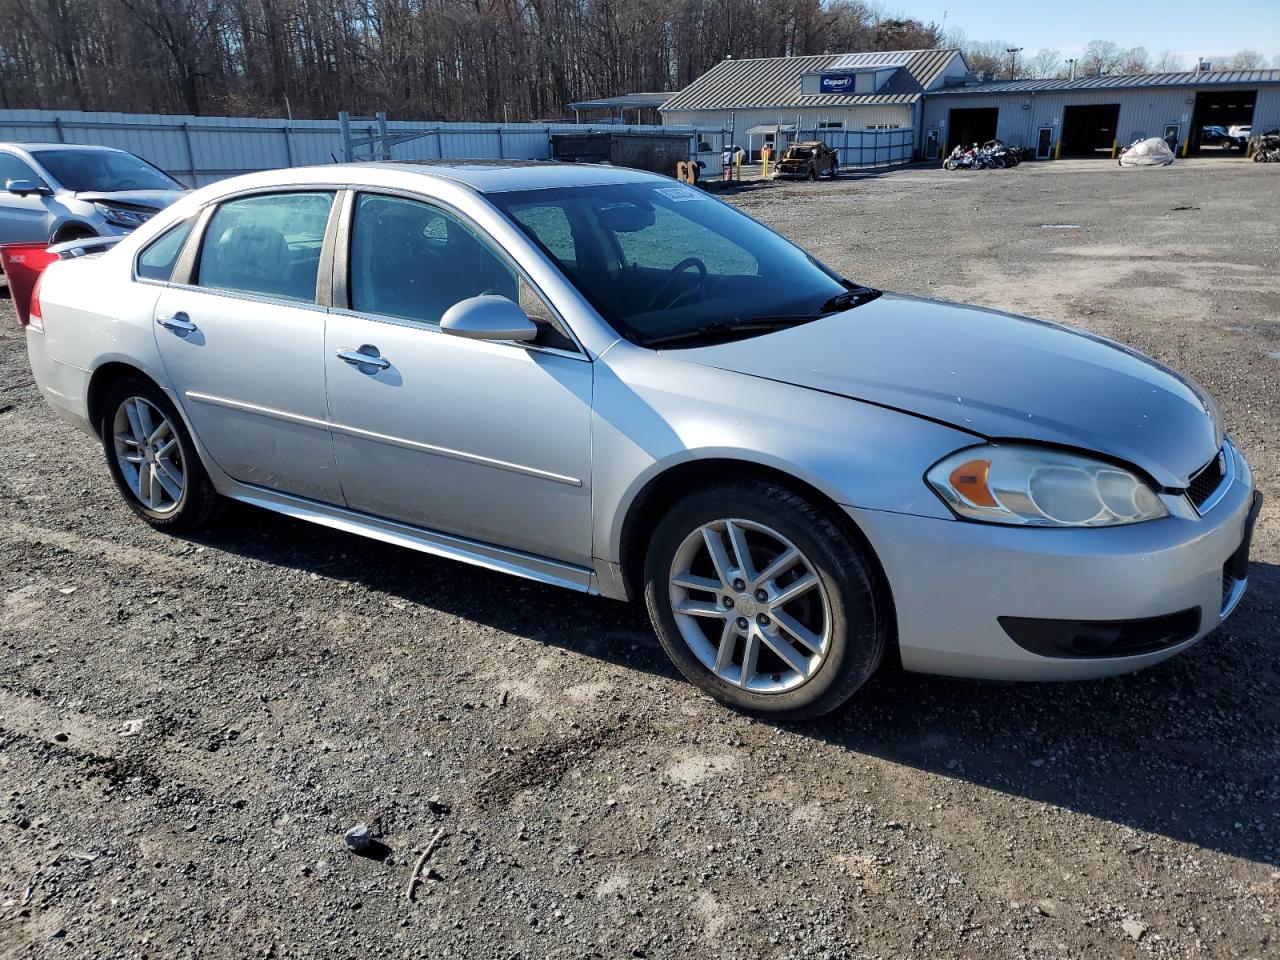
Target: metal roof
x,y
624,101
775,81
885,58
1183,79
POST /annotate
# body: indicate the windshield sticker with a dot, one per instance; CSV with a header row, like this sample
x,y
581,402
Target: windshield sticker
x,y
680,194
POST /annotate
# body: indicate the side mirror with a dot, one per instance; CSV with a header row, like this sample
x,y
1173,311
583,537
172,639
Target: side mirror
x,y
488,317
24,187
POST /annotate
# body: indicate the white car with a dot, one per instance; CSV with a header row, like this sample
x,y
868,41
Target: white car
x,y
609,381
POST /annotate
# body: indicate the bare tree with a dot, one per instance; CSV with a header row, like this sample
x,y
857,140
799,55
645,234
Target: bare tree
x,y
1101,57
1167,61
1242,60
1045,64
182,28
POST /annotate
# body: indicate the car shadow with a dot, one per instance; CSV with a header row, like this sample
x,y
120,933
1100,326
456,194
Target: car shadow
x,y
1187,749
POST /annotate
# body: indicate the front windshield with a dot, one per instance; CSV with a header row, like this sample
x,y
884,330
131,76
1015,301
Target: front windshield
x,y
659,261
104,171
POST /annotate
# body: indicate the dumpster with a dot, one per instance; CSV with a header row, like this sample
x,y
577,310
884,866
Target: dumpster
x,y
22,264
655,152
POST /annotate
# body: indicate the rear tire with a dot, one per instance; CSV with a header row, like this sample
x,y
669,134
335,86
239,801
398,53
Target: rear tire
x,y
153,459
812,632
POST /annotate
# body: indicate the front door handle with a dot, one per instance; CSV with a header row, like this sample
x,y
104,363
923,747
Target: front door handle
x,y
358,358
179,323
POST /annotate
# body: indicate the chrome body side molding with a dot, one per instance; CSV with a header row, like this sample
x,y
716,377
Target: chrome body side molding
x,y
437,544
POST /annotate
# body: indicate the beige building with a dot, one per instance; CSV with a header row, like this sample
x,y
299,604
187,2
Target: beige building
x,y
773,100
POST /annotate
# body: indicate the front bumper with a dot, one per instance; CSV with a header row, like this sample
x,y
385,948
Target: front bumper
x,y
953,580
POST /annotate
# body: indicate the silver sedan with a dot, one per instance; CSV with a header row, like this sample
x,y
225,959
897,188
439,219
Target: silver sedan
x,y
611,382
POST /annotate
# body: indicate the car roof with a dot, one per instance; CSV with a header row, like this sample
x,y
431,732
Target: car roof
x,y
498,176
40,147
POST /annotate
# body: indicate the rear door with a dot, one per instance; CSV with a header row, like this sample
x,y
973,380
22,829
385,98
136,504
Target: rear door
x,y
242,339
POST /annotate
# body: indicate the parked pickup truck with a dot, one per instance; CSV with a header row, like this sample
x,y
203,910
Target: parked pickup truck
x,y
806,160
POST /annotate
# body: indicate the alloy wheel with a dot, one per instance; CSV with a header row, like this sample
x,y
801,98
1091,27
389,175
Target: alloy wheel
x,y
750,606
149,455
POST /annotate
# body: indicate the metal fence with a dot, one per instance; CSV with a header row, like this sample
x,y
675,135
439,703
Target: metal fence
x,y
200,150
866,148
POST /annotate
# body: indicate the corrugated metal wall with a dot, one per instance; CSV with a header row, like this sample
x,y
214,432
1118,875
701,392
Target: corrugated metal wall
x,y
200,150
854,118
1143,112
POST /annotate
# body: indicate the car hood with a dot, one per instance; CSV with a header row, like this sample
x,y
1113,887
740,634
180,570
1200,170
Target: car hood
x,y
155,199
994,374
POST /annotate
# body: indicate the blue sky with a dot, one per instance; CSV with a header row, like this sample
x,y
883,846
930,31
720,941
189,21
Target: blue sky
x,y
1188,27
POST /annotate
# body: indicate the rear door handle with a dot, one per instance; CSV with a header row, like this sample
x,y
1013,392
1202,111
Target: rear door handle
x,y
178,323
358,358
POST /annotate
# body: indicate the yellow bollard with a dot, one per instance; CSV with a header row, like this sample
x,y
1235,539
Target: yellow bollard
x,y
1114,145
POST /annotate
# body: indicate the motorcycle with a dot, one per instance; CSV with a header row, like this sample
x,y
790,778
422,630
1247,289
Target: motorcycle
x,y
965,158
1266,147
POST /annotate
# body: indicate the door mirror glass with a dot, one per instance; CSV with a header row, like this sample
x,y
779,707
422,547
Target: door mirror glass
x,y
24,187
488,317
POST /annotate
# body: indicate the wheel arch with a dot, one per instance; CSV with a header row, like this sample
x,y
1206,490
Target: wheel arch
x,y
71,230
660,492
104,376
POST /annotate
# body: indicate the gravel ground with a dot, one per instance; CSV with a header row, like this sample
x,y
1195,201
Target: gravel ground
x,y
188,727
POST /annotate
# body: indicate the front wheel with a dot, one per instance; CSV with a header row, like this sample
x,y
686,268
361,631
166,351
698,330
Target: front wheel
x,y
153,459
764,601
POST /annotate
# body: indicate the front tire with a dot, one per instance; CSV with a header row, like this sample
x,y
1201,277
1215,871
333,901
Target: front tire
x,y
153,460
764,601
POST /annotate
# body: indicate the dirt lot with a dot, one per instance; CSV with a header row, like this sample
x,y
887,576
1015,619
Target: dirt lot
x,y
188,727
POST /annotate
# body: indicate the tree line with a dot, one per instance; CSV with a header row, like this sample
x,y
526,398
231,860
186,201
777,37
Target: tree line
x,y
440,59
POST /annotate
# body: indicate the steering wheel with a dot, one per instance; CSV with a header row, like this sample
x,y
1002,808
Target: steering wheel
x,y
674,272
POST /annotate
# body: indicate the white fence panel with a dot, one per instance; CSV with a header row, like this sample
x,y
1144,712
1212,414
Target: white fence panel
x,y
200,150
866,148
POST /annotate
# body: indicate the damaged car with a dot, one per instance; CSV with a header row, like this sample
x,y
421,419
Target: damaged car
x,y
808,160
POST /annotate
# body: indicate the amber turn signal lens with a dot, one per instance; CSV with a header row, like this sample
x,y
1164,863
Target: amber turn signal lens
x,y
970,480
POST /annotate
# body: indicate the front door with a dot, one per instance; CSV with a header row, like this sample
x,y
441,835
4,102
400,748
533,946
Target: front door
x,y
489,441
1044,143
22,219
243,344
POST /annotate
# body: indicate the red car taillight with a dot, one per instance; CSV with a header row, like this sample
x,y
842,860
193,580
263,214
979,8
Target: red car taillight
x,y
35,318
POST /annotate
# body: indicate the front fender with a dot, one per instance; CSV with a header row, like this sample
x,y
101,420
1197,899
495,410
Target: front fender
x,y
653,412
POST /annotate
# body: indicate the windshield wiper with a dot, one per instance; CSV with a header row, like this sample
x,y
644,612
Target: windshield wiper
x,y
720,328
855,296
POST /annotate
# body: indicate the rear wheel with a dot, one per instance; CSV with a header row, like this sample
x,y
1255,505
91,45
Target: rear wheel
x,y
763,601
153,459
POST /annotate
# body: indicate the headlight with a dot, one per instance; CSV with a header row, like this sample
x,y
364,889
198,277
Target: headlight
x,y
122,216
1034,486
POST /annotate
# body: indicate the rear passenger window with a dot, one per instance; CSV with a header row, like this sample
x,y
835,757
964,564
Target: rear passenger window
x,y
156,261
268,245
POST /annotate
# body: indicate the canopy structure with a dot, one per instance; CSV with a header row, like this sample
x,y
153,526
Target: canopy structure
x,y
628,101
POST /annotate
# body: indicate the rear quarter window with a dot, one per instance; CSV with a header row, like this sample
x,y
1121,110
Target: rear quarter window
x,y
157,260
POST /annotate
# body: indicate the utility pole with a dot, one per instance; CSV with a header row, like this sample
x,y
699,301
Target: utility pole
x,y
1013,61
1072,63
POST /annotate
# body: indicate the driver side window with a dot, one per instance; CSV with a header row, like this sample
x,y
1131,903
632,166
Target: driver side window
x,y
13,167
413,261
